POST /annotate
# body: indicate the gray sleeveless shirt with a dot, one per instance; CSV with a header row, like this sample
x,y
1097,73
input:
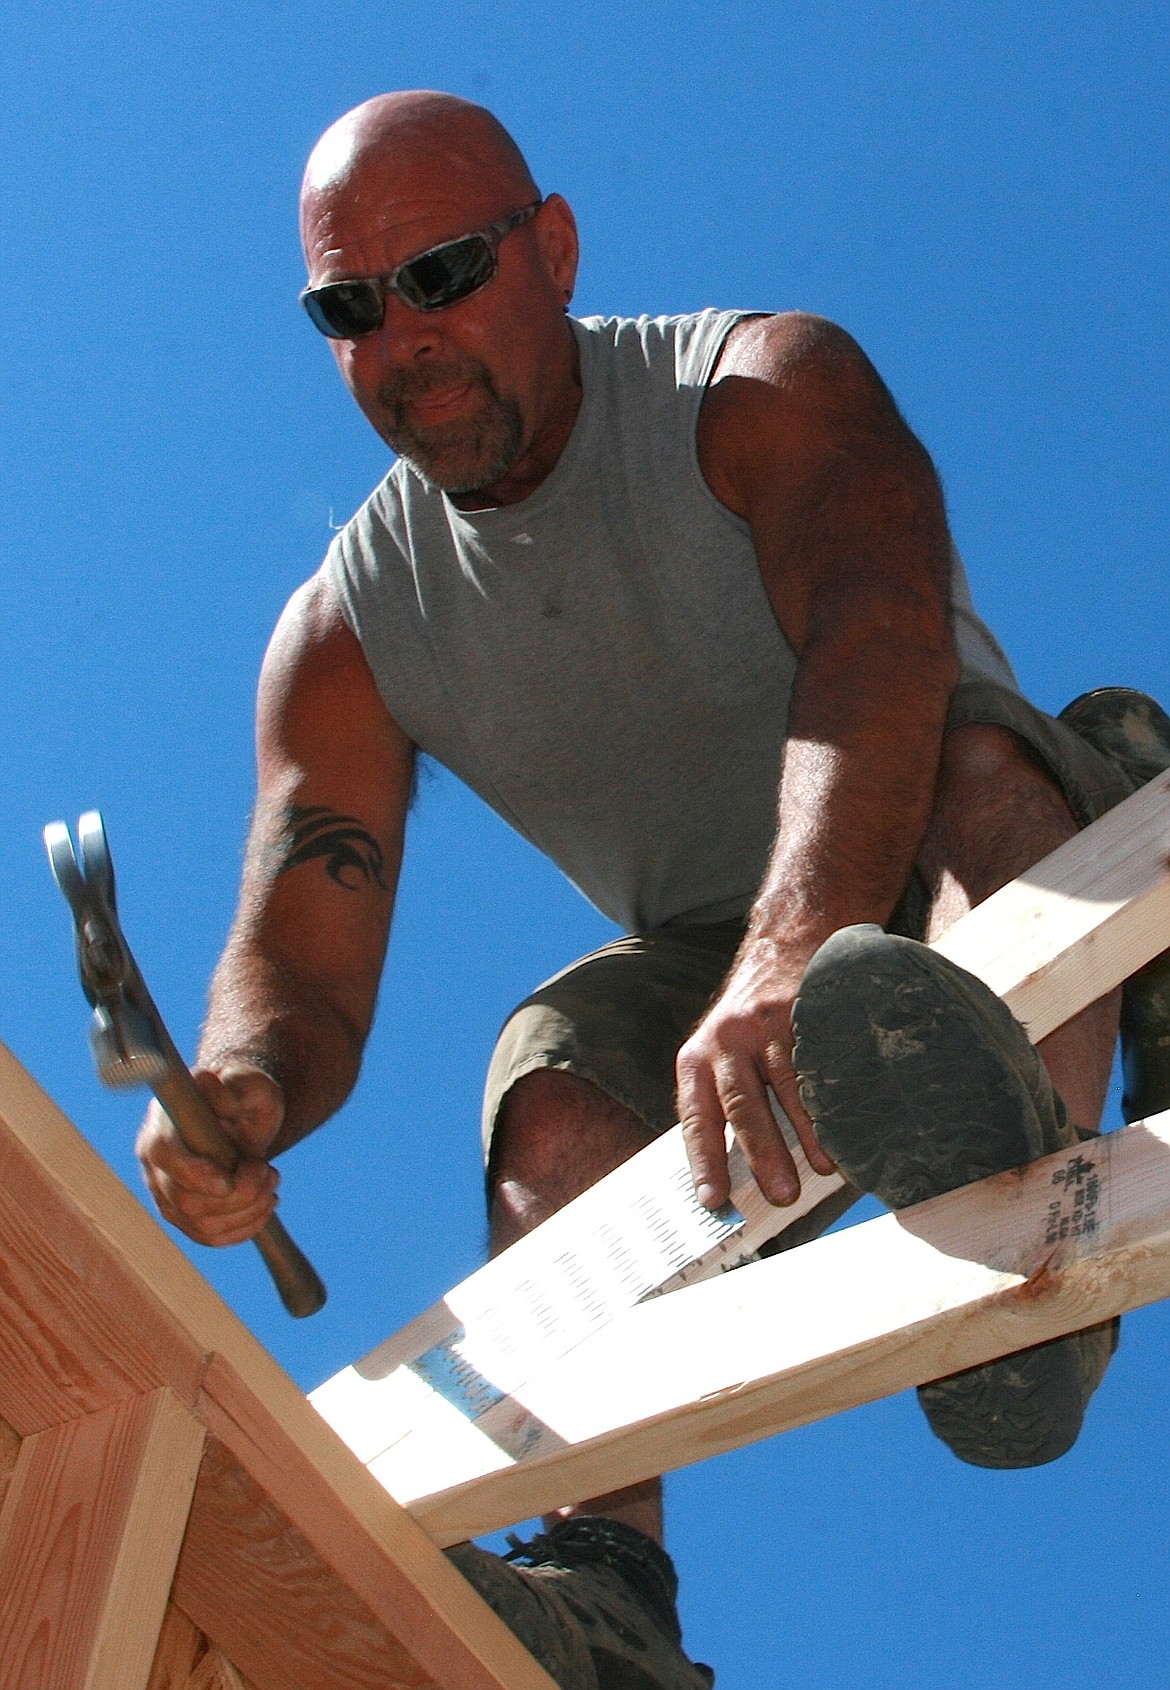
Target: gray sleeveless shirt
x,y
600,662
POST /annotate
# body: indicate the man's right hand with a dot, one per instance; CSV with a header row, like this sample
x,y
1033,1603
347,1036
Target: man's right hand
x,y
209,1205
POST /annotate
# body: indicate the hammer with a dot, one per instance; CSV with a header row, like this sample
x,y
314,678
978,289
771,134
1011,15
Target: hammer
x,y
131,1045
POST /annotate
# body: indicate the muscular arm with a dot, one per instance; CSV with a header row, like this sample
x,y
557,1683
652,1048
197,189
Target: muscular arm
x,y
293,996
799,436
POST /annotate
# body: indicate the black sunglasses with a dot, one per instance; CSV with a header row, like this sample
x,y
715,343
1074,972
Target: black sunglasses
x,y
441,276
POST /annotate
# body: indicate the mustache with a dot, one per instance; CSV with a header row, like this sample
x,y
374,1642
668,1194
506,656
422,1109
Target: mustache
x,y
404,385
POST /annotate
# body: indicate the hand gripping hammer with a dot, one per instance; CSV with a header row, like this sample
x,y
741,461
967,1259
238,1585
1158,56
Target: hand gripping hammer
x,y
131,1045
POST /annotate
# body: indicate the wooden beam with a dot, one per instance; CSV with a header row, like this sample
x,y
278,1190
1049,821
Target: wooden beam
x,y
250,1580
9,1449
1068,1241
185,1660
1050,943
89,1537
181,1646
1080,922
98,1307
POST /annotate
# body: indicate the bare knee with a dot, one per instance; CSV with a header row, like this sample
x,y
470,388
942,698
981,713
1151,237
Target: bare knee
x,y
997,811
981,760
556,1136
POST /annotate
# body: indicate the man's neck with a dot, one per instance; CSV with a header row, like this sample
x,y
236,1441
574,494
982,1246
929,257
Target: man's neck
x,y
549,440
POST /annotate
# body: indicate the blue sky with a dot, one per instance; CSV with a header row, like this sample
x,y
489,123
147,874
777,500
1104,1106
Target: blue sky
x,y
978,192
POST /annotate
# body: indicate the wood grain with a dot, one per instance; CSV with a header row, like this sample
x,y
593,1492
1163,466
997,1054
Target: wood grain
x,y
75,1336
430,1608
184,1660
215,1672
98,1306
250,1580
9,1449
1012,1261
89,1536
181,1646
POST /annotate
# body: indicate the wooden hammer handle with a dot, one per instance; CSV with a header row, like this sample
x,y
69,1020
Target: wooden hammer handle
x,y
296,1279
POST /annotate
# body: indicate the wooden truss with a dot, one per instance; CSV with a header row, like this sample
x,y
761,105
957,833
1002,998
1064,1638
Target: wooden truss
x,y
557,1371
173,1514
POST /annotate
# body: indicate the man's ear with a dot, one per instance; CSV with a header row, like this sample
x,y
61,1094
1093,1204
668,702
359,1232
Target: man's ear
x,y
556,232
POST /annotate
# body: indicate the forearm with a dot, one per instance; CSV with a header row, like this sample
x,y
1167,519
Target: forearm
x,y
800,437
271,1016
295,989
857,785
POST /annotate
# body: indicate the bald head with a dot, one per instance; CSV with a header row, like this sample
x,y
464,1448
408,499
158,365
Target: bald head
x,y
478,393
417,143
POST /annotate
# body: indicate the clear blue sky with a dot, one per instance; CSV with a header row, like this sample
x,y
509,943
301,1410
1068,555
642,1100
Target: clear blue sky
x,y
978,192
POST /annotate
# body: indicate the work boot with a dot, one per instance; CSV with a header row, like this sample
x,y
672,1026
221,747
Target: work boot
x,y
919,1080
1134,731
1131,727
595,1604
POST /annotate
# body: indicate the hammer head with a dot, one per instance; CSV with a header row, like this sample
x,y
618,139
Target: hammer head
x,y
124,1047
123,1034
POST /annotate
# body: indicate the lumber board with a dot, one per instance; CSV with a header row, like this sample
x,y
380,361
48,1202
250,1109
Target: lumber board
x,y
249,1579
181,1645
1012,1261
1080,922
440,1390
274,1469
184,1660
89,1537
215,1672
70,1343
9,1448
98,1308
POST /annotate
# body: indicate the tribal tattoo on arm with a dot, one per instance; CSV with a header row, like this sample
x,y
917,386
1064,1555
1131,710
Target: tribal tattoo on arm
x,y
352,855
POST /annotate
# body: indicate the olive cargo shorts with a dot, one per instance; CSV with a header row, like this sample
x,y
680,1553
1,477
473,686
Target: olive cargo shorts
x,y
618,1016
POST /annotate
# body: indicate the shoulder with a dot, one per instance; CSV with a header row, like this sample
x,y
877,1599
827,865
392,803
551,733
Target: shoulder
x,y
684,346
322,729
791,389
314,664
310,620
796,361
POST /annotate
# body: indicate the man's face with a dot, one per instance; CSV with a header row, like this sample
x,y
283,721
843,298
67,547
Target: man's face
x,y
451,422
463,393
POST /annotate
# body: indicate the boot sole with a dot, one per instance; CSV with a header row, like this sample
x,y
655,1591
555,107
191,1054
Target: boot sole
x,y
919,1081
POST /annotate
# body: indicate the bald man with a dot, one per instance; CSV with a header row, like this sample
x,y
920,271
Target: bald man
x,y
677,597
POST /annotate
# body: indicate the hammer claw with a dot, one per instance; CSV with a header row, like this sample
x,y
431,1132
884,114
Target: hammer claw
x,y
96,862
64,865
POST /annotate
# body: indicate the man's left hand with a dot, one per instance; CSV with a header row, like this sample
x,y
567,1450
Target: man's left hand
x,y
742,1047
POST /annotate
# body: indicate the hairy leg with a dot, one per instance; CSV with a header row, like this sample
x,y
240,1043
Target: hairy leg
x,y
558,1135
996,813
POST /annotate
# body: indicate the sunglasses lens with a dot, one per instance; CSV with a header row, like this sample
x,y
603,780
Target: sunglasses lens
x,y
346,310
447,274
